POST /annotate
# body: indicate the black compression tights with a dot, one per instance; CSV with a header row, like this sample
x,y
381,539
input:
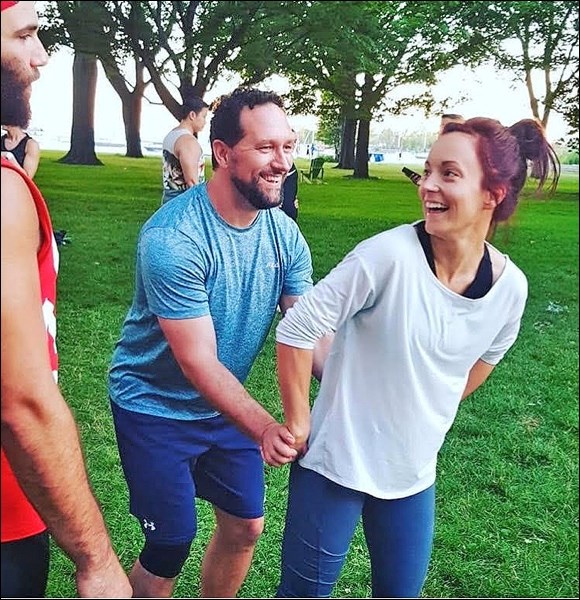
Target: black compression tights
x,y
25,567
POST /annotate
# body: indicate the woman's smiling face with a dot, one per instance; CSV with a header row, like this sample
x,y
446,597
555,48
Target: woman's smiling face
x,y
450,189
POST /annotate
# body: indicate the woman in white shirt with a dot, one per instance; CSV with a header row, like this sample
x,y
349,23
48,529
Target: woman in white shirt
x,y
421,314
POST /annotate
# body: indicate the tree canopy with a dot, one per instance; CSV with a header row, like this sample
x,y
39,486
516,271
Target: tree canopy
x,y
345,60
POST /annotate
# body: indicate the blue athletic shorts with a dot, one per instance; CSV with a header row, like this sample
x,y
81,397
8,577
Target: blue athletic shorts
x,y
169,462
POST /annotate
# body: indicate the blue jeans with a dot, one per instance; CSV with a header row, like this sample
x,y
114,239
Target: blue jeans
x,y
320,524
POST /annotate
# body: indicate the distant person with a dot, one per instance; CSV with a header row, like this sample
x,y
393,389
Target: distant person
x,y
449,118
290,193
212,266
44,481
445,118
23,148
183,160
422,314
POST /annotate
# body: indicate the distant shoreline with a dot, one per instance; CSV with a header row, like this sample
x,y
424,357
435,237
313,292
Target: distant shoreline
x,y
101,146
154,149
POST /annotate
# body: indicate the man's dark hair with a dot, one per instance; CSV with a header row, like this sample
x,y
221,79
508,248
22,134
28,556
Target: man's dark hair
x,y
452,116
192,104
225,123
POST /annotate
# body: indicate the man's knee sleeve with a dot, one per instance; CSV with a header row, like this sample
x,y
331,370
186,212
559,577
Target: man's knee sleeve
x,y
164,560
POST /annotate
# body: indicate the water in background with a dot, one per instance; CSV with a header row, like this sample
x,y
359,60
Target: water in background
x,y
102,146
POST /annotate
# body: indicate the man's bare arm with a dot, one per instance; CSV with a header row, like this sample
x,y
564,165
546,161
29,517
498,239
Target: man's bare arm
x,y
194,346
39,434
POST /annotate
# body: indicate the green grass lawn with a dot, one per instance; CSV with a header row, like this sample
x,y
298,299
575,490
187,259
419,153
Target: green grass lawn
x,y
507,512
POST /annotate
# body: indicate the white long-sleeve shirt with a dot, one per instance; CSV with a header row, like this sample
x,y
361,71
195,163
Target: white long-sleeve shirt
x,y
399,362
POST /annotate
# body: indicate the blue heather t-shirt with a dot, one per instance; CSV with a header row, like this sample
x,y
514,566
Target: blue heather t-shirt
x,y
191,263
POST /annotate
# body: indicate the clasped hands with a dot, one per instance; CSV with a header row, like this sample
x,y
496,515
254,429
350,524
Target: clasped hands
x,y
280,446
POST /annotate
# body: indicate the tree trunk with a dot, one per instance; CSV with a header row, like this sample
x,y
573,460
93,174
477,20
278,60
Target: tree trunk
x,y
82,142
131,102
348,135
361,167
132,120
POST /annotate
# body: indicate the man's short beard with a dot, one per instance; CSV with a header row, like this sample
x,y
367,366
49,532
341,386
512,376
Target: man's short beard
x,y
15,105
252,193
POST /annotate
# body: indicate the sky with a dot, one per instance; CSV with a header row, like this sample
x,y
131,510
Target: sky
x,y
488,93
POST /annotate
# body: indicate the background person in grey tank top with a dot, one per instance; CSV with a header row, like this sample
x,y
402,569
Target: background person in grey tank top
x,y
183,161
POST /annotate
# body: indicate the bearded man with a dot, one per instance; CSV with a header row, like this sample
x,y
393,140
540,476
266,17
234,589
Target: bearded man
x,y
45,488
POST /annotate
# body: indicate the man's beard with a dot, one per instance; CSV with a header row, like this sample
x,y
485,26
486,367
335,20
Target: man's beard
x,y
15,103
258,199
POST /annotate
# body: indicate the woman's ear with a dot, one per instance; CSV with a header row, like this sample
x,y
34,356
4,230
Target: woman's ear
x,y
500,193
496,196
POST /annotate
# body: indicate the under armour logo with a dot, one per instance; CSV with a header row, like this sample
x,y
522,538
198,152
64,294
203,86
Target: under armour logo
x,y
148,525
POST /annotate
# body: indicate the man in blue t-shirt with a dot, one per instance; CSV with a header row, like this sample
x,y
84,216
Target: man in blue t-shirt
x,y
212,267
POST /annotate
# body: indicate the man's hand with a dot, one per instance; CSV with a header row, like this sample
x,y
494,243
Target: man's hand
x,y
276,446
104,580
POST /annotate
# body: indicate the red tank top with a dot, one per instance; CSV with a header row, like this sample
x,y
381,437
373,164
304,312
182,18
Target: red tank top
x,y
18,517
